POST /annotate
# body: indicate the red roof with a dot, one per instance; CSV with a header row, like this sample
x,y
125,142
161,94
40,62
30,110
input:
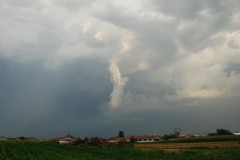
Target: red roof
x,y
128,138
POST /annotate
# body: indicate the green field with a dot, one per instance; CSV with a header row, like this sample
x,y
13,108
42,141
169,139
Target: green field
x,y
23,150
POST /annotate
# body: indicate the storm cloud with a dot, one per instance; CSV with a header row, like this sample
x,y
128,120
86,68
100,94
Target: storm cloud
x,y
97,67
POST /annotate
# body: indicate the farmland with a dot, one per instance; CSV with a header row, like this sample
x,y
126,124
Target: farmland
x,y
210,142
23,150
184,146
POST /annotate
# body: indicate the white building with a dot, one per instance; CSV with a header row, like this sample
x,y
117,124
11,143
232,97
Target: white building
x,y
137,139
146,138
237,133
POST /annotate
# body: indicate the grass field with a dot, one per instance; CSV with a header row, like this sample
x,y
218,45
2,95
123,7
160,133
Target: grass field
x,y
22,150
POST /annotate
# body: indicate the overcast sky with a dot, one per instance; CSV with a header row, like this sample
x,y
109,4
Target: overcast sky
x,y
100,66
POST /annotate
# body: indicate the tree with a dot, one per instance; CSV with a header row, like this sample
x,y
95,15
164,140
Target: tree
x,y
170,136
69,135
86,139
221,131
22,138
94,141
120,134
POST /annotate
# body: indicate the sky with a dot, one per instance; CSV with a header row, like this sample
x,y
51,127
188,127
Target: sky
x,y
97,67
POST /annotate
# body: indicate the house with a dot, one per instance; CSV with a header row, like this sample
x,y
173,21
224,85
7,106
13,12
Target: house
x,y
67,140
185,135
137,139
13,139
32,139
116,139
237,133
2,138
64,140
146,138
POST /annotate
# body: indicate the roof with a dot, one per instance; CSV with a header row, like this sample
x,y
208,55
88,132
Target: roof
x,y
144,137
116,139
136,137
236,133
57,139
67,139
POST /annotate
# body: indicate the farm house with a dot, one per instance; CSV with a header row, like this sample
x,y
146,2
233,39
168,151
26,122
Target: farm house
x,y
138,139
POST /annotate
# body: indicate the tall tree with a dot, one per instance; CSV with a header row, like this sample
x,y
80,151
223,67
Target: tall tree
x,y
120,134
221,131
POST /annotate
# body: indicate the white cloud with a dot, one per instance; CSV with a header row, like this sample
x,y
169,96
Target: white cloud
x,y
143,66
118,83
202,93
87,25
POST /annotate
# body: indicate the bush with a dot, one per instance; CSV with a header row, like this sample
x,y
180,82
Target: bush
x,y
94,141
125,144
221,131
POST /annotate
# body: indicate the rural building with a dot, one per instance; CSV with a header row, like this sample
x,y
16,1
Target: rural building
x,y
237,133
2,138
117,139
135,138
67,140
64,140
185,135
22,138
146,138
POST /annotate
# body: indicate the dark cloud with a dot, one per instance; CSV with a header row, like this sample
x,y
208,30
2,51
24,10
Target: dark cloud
x,y
232,68
175,64
34,98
